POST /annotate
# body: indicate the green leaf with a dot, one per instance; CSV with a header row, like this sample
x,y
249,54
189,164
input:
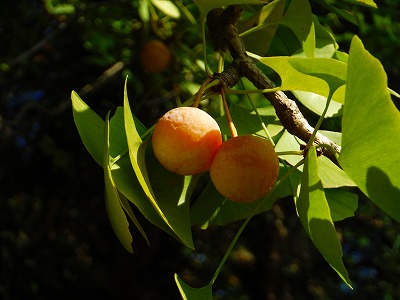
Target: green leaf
x,y
206,206
168,193
114,210
331,175
206,5
314,213
189,293
247,121
369,3
212,208
118,144
299,19
316,103
127,183
90,127
261,27
370,152
173,194
342,204
167,7
137,154
317,75
325,44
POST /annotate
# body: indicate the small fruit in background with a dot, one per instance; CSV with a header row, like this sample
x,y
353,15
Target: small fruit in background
x,y
185,140
245,168
155,56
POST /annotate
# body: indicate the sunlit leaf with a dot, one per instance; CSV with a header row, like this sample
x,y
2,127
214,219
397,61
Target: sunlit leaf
x,y
172,206
90,127
316,103
167,7
314,213
289,142
369,3
342,204
299,19
127,183
331,175
325,44
144,10
189,293
114,210
370,152
317,75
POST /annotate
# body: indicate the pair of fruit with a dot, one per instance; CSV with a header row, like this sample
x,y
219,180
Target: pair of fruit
x,y
188,141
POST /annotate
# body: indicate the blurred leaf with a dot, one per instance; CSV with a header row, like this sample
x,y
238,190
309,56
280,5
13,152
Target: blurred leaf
x,y
370,152
261,27
206,5
59,9
342,204
189,293
90,127
299,19
144,11
314,213
344,13
369,3
114,210
167,7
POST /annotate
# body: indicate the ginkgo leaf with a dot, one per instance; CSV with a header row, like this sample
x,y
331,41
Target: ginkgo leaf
x,y
299,19
90,127
114,210
167,7
190,293
314,213
370,152
317,75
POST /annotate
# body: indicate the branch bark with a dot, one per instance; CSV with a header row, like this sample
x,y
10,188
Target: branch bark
x,y
224,34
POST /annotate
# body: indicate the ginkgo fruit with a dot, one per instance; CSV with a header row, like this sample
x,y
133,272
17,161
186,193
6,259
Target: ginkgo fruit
x,y
155,56
185,140
244,168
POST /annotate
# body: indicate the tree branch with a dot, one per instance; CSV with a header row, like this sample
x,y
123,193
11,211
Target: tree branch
x,y
224,34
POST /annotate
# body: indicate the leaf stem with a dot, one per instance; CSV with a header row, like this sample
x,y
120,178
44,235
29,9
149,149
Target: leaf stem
x,y
200,92
320,120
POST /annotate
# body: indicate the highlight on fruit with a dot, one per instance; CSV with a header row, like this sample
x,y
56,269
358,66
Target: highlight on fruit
x,y
244,168
155,56
185,140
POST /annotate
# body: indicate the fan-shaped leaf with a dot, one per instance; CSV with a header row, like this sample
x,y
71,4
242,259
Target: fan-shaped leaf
x,y
370,152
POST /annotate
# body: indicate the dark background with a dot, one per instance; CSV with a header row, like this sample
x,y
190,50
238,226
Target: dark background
x,y
55,239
